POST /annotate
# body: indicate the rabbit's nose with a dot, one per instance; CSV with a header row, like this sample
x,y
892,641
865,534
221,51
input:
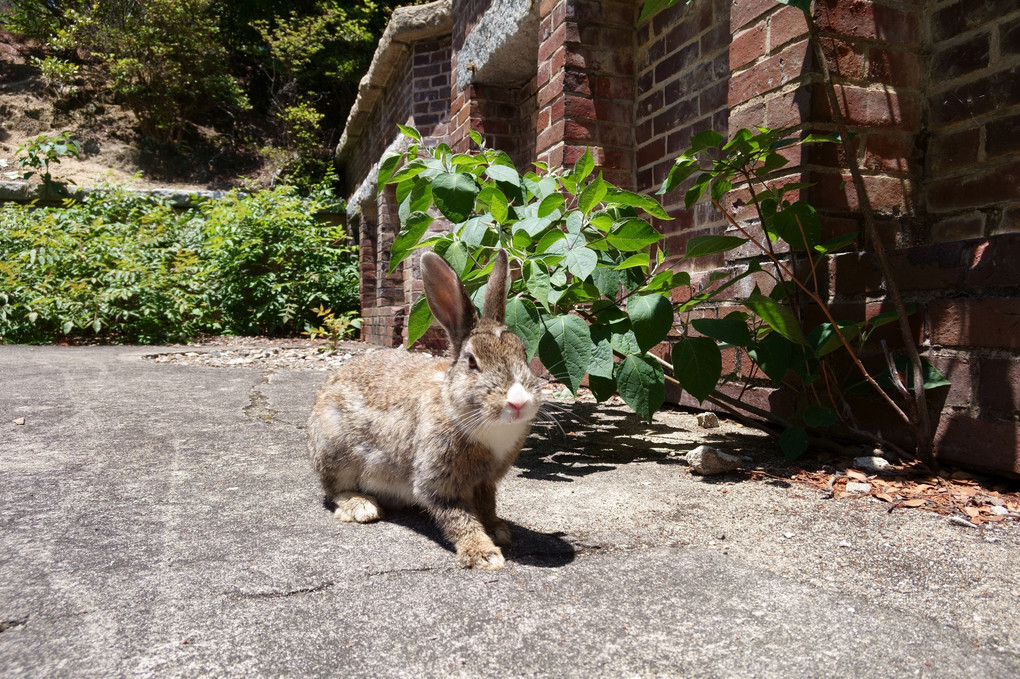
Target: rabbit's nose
x,y
518,397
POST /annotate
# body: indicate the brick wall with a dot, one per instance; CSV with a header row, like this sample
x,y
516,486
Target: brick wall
x,y
928,89
585,85
972,198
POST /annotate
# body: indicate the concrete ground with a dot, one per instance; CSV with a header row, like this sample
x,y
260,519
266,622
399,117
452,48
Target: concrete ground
x,y
162,520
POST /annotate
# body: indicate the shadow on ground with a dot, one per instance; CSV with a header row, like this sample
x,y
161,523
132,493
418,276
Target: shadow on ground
x,y
588,438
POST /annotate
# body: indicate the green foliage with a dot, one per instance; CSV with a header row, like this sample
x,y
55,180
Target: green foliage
x,y
126,268
334,327
592,291
43,151
170,66
58,74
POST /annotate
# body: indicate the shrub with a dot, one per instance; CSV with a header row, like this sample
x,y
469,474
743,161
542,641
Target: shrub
x,y
125,268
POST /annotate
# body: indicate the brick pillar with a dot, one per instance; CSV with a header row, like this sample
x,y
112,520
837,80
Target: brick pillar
x,y
585,85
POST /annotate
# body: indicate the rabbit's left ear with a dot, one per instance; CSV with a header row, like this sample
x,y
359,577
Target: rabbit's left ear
x,y
495,291
447,299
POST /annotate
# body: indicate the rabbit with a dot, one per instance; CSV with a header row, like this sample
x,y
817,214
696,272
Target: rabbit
x,y
401,428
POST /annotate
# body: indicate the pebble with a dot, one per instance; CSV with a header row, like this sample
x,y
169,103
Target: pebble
x,y
708,420
708,461
998,510
20,420
960,521
872,464
858,487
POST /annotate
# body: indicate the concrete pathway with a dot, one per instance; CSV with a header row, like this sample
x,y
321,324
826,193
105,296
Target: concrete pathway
x,y
162,520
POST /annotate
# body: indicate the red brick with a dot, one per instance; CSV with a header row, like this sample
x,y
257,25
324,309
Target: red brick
x,y
961,58
965,15
953,150
864,19
1002,137
959,227
579,131
837,191
982,443
785,25
989,186
994,263
743,12
990,93
747,46
872,108
846,59
991,323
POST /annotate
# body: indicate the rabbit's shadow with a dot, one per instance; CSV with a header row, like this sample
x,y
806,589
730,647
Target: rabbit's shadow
x,y
530,548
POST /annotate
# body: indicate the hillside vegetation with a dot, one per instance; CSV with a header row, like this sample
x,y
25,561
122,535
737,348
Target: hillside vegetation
x,y
196,93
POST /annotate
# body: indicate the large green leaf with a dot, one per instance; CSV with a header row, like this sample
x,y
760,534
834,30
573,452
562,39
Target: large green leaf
x,y
824,340
633,234
502,173
607,281
565,349
419,320
549,204
798,225
580,262
646,203
651,318
700,246
777,316
454,194
536,278
592,194
774,355
583,167
602,388
601,364
732,330
697,366
523,320
817,416
641,383
403,244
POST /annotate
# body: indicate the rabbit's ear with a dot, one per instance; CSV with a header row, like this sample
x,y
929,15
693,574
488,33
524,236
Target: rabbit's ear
x,y
447,299
495,292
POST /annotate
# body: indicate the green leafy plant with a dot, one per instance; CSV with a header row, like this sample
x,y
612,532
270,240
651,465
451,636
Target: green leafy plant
x,y
334,327
36,156
595,289
58,74
127,268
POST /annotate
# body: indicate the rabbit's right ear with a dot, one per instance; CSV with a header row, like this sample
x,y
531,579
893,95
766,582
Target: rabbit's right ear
x,y
447,299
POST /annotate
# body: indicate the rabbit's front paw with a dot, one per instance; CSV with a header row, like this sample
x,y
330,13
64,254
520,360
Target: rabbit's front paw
x,y
478,555
358,508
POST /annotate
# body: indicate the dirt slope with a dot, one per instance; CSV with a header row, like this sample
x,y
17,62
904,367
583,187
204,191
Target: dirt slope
x,y
113,149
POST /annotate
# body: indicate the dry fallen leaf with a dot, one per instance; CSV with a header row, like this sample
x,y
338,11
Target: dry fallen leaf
x,y
914,502
854,474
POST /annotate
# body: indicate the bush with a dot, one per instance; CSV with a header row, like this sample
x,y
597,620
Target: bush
x,y
125,268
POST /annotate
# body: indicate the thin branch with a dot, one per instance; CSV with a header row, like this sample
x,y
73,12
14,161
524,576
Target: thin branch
x,y
918,405
828,314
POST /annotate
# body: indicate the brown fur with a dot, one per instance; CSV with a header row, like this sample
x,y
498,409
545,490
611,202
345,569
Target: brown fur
x,y
403,428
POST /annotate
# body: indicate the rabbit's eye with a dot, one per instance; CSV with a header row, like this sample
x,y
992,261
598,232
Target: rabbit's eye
x,y
472,363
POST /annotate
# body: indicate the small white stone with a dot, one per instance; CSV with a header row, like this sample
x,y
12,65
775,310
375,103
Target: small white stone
x,y
20,420
998,511
707,420
872,464
858,488
788,536
707,461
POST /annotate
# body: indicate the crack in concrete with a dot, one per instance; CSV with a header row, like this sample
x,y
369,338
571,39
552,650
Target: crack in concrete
x,y
258,403
282,595
13,623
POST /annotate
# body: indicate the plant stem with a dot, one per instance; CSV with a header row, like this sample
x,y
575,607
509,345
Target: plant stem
x,y
918,405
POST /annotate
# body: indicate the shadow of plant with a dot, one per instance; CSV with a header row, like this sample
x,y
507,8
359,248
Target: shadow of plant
x,y
587,438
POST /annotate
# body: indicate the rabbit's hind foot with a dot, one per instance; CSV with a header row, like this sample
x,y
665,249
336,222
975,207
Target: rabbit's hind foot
x,y
357,508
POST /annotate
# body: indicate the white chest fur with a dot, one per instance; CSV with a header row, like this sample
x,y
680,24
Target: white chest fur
x,y
502,438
